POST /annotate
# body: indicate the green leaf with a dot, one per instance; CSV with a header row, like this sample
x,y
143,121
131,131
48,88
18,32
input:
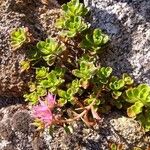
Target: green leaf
x,y
50,59
50,47
94,41
59,72
18,37
127,79
86,71
74,88
60,23
73,25
113,147
88,101
25,65
41,91
140,93
103,74
41,73
62,101
144,118
74,8
135,109
32,86
46,47
62,93
84,83
32,97
116,94
45,83
116,84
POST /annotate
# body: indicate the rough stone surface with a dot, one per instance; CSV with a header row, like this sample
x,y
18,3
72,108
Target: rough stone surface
x,y
17,132
114,128
128,25
38,16
127,22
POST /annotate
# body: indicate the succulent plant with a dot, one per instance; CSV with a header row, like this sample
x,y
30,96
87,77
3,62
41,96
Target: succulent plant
x,y
116,85
86,71
25,65
51,82
144,118
89,100
72,26
95,40
31,97
41,73
74,8
18,37
103,74
68,96
50,49
139,96
127,79
140,93
45,82
135,109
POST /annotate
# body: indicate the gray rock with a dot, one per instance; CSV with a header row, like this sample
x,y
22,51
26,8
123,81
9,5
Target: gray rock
x,y
127,22
6,132
37,16
17,132
114,128
20,121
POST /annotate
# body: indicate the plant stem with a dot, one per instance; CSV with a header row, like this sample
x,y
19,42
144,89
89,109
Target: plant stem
x,y
81,114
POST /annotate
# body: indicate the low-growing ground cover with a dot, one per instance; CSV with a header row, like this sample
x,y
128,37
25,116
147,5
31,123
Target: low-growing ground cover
x,y
69,82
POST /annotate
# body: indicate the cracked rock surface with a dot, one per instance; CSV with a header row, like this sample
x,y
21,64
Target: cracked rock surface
x,y
127,22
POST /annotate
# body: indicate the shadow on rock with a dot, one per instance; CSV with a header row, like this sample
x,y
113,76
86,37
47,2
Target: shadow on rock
x,y
129,30
116,54
139,8
30,9
8,101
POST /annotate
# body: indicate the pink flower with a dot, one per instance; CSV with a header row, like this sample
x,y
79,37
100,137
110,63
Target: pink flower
x,y
43,110
50,100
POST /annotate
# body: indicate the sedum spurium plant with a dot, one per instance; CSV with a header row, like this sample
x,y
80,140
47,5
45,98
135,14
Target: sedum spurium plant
x,y
94,41
74,8
19,36
72,18
139,97
45,82
65,90
85,72
50,49
73,26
